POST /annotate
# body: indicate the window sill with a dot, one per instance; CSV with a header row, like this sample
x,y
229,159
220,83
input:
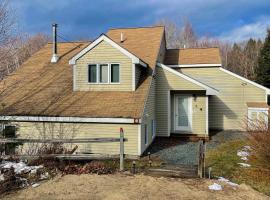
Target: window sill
x,y
103,83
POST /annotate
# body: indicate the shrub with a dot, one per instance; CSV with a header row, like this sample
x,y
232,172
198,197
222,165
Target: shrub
x,y
259,140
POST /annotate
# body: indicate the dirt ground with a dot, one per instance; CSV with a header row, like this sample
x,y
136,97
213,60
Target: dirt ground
x,y
120,186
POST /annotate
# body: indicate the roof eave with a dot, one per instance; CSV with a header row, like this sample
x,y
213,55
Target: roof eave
x,y
103,37
209,90
196,65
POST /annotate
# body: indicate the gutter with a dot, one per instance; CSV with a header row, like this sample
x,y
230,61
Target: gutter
x,y
70,119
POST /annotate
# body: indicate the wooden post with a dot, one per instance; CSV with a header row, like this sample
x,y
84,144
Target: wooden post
x,y
201,158
121,149
199,161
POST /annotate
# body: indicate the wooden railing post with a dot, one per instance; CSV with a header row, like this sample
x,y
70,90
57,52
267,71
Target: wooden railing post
x,y
121,149
201,158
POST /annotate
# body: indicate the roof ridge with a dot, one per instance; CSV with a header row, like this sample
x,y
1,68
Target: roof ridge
x,y
139,27
194,48
82,41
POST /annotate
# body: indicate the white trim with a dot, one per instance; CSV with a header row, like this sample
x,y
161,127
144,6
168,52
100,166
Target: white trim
x,y
209,91
153,128
206,115
139,140
98,82
74,77
105,38
169,113
133,77
257,109
267,90
67,119
196,65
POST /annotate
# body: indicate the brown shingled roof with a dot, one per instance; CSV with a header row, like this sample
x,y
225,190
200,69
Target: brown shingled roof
x,y
40,88
192,56
257,105
143,42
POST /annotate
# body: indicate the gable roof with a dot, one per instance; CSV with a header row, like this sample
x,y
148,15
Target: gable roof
x,y
209,90
105,38
42,88
143,42
193,56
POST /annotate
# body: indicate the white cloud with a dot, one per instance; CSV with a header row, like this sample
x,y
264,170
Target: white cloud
x,y
254,30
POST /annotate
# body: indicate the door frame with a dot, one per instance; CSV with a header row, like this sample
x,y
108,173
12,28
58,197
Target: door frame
x,y
185,129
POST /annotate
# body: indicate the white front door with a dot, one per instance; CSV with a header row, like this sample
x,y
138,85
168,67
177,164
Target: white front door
x,y
183,113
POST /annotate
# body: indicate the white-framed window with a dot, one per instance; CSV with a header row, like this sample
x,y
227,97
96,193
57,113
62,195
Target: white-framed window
x,y
115,73
257,118
145,134
153,124
104,73
92,73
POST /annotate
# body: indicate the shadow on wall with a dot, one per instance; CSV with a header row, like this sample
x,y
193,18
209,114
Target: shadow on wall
x,y
218,110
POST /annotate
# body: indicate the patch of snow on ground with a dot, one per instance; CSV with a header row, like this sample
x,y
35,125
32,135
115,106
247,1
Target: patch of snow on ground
x,y
244,164
242,153
19,167
35,185
221,179
215,186
2,178
44,176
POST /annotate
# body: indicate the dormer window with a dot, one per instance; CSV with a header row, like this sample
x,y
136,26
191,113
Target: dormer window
x,y
115,73
104,73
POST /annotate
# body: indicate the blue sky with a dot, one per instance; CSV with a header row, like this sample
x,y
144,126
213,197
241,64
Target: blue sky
x,y
233,20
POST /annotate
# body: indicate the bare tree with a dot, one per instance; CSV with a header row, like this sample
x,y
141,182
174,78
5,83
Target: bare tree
x,y
15,47
172,33
188,38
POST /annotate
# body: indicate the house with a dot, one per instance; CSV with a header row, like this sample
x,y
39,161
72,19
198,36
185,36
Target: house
x,y
128,79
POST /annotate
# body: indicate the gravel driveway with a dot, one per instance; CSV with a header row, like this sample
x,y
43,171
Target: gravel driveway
x,y
175,151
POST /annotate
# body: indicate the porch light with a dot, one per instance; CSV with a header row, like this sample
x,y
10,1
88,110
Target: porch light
x,y
194,97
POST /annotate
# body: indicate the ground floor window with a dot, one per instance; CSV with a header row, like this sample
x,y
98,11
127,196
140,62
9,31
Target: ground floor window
x,y
145,134
153,128
9,131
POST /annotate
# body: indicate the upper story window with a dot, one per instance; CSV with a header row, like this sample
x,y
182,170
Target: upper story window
x,y
104,73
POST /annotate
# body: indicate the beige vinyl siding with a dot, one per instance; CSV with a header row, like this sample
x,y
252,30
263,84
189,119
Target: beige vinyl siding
x,y
166,81
103,53
84,130
228,109
148,116
199,115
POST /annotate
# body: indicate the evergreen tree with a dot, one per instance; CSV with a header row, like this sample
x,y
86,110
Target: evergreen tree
x,y
263,70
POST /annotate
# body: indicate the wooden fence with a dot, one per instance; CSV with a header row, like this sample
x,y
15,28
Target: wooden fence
x,y
121,140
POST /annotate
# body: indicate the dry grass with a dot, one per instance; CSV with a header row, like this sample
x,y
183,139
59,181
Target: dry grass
x,y
224,162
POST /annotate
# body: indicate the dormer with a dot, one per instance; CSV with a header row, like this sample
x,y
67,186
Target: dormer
x,y
104,65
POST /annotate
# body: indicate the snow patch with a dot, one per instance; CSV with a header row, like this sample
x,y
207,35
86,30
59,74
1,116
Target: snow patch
x,y
2,178
20,167
35,185
242,153
221,179
215,186
244,164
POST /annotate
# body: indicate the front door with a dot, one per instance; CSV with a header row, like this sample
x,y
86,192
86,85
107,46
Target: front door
x,y
183,113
